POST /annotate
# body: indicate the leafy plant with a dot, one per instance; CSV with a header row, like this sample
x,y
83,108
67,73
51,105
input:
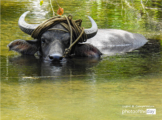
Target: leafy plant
x,y
60,10
41,2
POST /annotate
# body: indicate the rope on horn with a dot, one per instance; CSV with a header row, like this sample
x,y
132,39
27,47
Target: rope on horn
x,y
77,33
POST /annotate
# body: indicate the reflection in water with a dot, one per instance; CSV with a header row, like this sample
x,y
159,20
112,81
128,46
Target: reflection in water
x,y
144,62
40,13
38,67
83,88
80,88
69,66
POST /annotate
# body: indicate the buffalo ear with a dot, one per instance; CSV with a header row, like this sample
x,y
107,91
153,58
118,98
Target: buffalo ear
x,y
26,47
87,50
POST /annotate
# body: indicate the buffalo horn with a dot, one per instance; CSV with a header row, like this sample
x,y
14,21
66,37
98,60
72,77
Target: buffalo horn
x,y
25,27
29,28
91,32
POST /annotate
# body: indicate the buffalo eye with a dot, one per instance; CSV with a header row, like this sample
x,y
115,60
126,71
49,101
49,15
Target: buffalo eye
x,y
65,38
66,41
43,41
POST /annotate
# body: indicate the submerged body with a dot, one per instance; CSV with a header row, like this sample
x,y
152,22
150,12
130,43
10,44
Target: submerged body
x,y
51,44
111,41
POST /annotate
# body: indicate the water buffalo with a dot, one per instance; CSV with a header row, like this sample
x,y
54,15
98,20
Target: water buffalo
x,y
52,43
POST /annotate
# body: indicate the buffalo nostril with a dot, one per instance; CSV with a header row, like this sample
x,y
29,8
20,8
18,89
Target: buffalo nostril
x,y
55,57
51,57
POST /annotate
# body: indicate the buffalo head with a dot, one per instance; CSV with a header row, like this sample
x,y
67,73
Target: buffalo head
x,y
53,42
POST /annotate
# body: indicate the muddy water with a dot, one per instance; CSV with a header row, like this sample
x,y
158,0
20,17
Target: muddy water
x,y
118,87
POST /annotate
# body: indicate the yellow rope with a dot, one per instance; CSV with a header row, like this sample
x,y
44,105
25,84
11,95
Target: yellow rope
x,y
72,26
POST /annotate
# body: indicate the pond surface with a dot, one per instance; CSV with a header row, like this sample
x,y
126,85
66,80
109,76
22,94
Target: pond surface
x,y
117,87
